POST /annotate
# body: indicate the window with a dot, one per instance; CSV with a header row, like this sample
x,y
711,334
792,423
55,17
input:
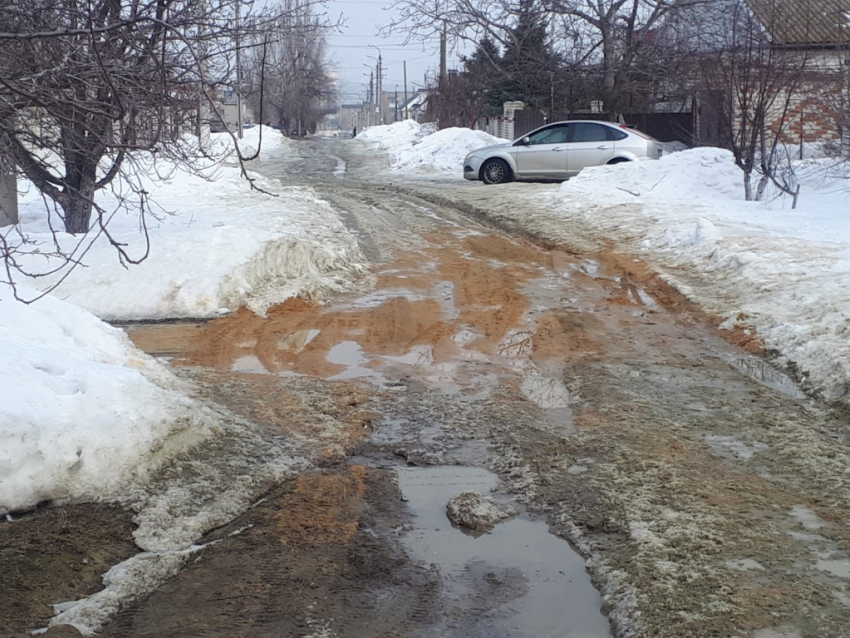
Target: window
x,y
615,134
585,132
554,135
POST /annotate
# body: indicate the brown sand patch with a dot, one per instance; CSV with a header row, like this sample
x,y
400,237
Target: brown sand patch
x,y
297,336
335,417
507,251
564,334
323,509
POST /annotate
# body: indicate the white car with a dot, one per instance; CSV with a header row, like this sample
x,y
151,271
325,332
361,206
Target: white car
x,y
558,151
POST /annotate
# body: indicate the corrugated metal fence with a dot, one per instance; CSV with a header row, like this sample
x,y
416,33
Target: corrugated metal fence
x,y
667,127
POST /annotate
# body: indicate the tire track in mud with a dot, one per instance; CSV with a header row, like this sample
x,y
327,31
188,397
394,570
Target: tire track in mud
x,y
312,557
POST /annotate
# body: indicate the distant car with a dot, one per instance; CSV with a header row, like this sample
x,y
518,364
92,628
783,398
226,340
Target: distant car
x,y
558,151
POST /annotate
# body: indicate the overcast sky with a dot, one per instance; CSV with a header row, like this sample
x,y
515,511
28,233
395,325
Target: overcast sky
x,y
350,49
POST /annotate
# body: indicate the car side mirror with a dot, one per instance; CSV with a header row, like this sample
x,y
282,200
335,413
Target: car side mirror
x,y
525,141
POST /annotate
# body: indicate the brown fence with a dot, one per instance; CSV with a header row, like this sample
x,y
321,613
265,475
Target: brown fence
x,y
667,127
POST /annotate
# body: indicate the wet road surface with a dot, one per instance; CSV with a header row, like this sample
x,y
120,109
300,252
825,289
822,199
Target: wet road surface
x,y
668,481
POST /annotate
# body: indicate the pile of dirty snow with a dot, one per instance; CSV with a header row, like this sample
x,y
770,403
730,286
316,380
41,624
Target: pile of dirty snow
x,y
476,511
215,244
420,148
396,135
82,409
268,140
440,152
784,272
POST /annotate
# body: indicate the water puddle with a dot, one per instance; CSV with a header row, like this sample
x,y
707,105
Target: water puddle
x,y
350,355
589,267
339,171
517,580
249,363
765,374
637,295
840,567
391,218
297,341
551,395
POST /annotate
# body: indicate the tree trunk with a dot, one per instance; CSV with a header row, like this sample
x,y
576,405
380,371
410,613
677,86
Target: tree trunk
x,y
609,97
78,198
763,182
77,215
748,186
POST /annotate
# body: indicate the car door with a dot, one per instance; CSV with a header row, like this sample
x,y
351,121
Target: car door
x,y
545,153
589,146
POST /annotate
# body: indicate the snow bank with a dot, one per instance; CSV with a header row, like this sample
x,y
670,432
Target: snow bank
x,y
700,174
416,148
273,141
440,152
82,409
215,244
784,272
396,135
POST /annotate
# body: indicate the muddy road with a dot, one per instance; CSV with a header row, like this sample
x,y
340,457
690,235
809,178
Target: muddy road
x,y
667,481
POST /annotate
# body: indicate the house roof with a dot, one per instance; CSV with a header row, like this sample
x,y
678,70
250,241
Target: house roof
x,y
804,22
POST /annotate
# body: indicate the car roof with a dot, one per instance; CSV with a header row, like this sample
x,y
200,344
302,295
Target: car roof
x,y
615,124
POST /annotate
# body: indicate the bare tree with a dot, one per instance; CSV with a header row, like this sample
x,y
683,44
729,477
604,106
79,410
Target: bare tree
x,y
82,84
608,39
292,68
94,95
754,84
620,43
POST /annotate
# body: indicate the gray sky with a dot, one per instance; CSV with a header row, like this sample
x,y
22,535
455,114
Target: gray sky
x,y
350,49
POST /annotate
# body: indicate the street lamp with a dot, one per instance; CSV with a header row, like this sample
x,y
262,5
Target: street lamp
x,y
379,81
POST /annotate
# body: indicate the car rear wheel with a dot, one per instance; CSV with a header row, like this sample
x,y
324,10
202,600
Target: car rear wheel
x,y
619,160
495,171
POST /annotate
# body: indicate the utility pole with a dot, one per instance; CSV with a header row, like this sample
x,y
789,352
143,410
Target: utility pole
x,y
380,90
406,113
443,56
395,101
442,106
238,73
371,114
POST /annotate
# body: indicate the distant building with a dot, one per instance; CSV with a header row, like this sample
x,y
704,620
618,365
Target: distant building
x,y
416,104
228,109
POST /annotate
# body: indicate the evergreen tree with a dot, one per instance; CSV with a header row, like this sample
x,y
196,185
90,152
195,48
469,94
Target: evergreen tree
x,y
528,66
481,75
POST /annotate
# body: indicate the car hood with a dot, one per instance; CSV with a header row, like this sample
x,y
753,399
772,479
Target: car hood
x,y
487,149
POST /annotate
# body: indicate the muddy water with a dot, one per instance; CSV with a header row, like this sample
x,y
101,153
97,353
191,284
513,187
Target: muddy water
x,y
600,398
517,580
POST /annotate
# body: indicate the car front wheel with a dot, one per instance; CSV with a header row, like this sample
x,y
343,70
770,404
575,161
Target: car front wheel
x,y
495,171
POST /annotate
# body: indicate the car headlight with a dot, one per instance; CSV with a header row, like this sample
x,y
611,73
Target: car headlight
x,y
469,157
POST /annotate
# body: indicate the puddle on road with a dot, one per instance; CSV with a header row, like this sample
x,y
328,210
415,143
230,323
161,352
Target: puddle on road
x,y
518,580
350,355
392,219
765,374
552,396
341,166
589,267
